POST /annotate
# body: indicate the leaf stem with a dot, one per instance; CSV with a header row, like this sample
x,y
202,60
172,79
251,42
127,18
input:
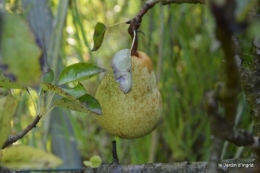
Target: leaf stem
x,y
117,24
49,102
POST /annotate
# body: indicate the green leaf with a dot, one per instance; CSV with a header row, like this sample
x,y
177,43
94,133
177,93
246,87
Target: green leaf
x,y
75,106
94,162
88,163
98,36
78,72
7,110
26,157
77,91
85,103
19,52
48,76
91,103
88,104
49,87
5,82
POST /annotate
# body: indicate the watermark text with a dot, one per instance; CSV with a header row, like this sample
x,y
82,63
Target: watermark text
x,y
236,165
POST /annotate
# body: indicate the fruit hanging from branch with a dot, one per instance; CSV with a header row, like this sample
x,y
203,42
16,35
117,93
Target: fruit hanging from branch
x,y
136,113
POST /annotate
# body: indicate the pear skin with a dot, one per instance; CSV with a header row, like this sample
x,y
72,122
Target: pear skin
x,y
137,113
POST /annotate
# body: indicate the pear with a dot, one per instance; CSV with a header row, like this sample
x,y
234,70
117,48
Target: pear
x,y
136,113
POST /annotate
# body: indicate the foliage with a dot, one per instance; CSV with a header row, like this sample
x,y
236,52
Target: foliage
x,y
78,72
25,157
31,66
186,58
94,162
17,56
98,36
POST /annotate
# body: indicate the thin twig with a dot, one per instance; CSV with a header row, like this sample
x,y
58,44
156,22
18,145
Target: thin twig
x,y
114,153
12,139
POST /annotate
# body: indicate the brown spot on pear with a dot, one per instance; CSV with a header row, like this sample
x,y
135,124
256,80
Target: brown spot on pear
x,y
137,113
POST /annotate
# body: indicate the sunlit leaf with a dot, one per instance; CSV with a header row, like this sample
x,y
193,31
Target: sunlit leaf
x,y
20,54
78,72
94,162
26,157
88,104
77,91
88,163
98,36
5,82
7,110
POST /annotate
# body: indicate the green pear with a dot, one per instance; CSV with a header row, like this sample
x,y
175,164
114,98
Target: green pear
x,y
136,113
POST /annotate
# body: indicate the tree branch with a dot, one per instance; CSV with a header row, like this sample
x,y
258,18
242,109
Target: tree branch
x,y
230,166
12,139
136,21
226,26
165,2
217,122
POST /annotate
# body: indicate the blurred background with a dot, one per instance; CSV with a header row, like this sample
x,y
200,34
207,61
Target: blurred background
x,y
179,38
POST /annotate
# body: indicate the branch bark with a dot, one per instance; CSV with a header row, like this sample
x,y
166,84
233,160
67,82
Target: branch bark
x,y
135,23
20,135
228,166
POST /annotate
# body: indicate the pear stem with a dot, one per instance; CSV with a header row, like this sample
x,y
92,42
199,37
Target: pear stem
x,y
135,23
